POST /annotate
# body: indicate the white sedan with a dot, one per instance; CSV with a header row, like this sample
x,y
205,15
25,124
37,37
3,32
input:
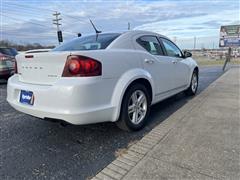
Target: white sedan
x,y
106,77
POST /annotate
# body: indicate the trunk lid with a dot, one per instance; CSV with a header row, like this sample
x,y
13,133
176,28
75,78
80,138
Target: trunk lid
x,y
41,68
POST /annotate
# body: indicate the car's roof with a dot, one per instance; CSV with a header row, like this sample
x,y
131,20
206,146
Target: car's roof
x,y
122,42
141,32
129,32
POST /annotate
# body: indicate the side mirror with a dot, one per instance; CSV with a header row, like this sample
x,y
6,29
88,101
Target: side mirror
x,y
187,54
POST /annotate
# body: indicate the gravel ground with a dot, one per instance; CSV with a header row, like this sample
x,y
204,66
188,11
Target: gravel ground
x,y
35,149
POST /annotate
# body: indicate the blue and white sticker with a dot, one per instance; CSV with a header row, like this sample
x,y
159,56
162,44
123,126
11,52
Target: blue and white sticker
x,y
27,97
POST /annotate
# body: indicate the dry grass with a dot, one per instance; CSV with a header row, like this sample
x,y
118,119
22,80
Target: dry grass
x,y
205,61
122,151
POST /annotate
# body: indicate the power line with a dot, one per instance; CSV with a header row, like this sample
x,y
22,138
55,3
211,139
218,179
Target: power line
x,y
17,19
195,41
27,36
49,10
76,18
29,7
24,13
32,10
23,8
8,26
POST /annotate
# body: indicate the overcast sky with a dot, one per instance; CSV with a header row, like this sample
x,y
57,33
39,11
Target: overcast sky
x,y
28,21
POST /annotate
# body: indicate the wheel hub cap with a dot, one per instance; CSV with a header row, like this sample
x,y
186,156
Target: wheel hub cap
x,y
194,82
137,107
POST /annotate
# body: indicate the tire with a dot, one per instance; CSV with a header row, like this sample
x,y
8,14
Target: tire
x,y
192,89
127,120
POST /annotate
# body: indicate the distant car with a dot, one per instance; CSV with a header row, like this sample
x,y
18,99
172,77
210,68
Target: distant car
x,y
7,62
106,77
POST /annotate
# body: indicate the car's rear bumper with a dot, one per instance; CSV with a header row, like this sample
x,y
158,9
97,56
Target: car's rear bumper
x,y
74,101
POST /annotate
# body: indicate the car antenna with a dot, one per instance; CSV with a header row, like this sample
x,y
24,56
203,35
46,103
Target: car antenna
x,y
97,31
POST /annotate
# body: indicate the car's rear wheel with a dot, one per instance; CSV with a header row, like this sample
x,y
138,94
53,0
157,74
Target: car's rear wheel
x,y
192,89
135,108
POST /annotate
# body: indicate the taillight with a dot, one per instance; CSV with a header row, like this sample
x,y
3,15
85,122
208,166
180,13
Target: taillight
x,y
29,56
15,67
3,57
82,66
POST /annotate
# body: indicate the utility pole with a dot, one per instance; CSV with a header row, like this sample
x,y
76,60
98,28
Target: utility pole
x,y
175,39
194,45
228,58
129,25
57,23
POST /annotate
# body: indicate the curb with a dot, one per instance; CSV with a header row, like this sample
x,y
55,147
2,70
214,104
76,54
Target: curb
x,y
118,168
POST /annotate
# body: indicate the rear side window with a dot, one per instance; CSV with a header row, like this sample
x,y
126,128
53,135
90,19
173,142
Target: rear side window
x,y
151,44
91,42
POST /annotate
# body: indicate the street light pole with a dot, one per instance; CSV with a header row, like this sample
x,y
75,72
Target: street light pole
x,y
194,44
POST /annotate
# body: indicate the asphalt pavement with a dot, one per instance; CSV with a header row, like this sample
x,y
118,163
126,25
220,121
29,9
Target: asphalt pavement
x,y
199,141
36,149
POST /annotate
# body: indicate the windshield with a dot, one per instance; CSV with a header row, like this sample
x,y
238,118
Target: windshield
x,y
13,51
88,42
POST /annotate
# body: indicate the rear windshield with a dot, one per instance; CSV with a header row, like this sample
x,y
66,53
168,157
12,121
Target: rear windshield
x,y
8,51
91,42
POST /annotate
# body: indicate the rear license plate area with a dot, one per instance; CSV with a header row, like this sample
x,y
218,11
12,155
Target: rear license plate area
x,y
26,97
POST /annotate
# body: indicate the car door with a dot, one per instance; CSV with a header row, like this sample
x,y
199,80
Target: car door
x,y
160,67
181,69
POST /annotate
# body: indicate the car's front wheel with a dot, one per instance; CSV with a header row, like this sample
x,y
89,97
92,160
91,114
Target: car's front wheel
x,y
135,108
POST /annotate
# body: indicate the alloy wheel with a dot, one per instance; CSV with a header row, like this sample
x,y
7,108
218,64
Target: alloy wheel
x,y
194,82
137,107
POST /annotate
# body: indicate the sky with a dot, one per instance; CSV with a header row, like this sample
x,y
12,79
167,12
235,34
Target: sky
x,y
30,21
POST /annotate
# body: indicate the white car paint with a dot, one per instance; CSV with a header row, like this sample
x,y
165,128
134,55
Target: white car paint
x,y
85,100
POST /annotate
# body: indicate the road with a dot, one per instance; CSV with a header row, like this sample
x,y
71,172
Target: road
x,y
37,149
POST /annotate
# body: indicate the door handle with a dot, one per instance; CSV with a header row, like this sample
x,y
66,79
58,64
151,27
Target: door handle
x,y
149,61
174,62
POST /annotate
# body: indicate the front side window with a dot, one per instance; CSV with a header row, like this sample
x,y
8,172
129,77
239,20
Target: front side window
x,y
151,44
172,49
91,42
